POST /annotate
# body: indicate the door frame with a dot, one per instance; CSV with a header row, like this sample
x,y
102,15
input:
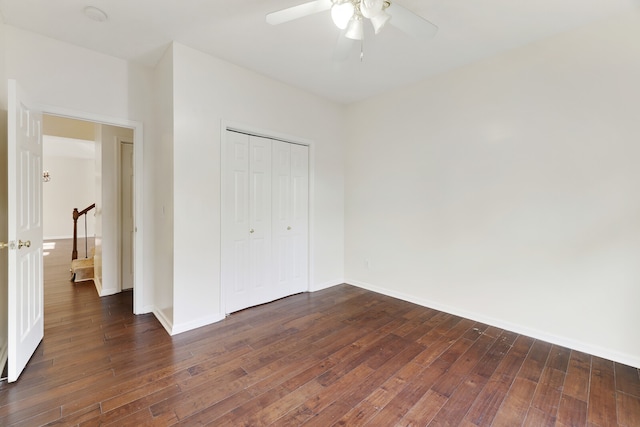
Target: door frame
x,y
122,141
138,206
226,125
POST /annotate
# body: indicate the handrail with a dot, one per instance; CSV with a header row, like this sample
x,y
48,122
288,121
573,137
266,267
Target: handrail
x,y
77,214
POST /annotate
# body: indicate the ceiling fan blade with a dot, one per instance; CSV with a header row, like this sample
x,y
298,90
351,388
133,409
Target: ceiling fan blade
x,y
344,46
295,12
410,23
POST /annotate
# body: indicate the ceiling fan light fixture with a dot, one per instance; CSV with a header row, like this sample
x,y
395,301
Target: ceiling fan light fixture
x,y
371,8
341,13
355,30
379,21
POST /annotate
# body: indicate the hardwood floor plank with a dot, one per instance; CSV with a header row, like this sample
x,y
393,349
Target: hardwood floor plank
x,y
628,409
549,391
515,406
602,396
627,379
538,418
411,393
424,410
559,358
461,368
36,420
576,383
535,361
380,397
455,409
572,412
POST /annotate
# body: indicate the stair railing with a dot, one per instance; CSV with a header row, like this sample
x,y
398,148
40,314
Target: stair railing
x,y
77,214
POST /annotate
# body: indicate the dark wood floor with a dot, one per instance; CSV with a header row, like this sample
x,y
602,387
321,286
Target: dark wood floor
x,y
342,356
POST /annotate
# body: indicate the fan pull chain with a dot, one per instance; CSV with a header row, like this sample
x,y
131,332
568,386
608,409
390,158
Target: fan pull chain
x,y
361,50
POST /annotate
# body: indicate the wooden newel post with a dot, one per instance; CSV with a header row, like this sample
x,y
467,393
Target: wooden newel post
x,y
74,253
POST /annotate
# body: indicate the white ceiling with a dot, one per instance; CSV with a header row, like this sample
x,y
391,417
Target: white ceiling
x,y
300,52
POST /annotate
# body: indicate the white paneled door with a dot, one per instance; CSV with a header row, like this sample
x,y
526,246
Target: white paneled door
x,y
261,240
290,217
25,291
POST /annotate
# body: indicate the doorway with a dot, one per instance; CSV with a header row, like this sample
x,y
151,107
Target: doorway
x,y
111,258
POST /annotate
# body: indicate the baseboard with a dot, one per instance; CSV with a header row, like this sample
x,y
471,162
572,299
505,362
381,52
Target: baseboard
x,y
166,323
325,285
604,353
108,292
194,324
98,284
101,291
146,309
174,329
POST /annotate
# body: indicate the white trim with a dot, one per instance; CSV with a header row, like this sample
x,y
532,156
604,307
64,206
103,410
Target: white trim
x,y
138,208
166,324
98,284
264,133
326,285
198,323
99,288
173,329
605,353
225,126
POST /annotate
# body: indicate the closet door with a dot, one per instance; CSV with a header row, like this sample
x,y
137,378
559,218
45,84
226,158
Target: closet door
x,y
299,217
290,217
246,219
260,289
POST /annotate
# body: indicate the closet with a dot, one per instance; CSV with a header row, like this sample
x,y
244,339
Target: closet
x,y
265,220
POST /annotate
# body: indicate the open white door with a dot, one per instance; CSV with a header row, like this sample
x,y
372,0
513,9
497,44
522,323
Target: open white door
x,y
24,169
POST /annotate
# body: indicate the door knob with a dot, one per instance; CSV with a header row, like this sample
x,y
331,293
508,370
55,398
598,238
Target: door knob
x,y
21,244
251,231
289,228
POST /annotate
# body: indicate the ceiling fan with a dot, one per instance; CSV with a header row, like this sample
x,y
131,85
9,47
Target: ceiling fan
x,y
349,16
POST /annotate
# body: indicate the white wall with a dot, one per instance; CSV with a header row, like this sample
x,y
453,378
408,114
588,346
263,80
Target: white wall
x,y
206,91
163,207
507,191
71,186
70,78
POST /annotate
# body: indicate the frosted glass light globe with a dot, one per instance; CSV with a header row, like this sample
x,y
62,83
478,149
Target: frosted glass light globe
x,y
341,14
370,8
